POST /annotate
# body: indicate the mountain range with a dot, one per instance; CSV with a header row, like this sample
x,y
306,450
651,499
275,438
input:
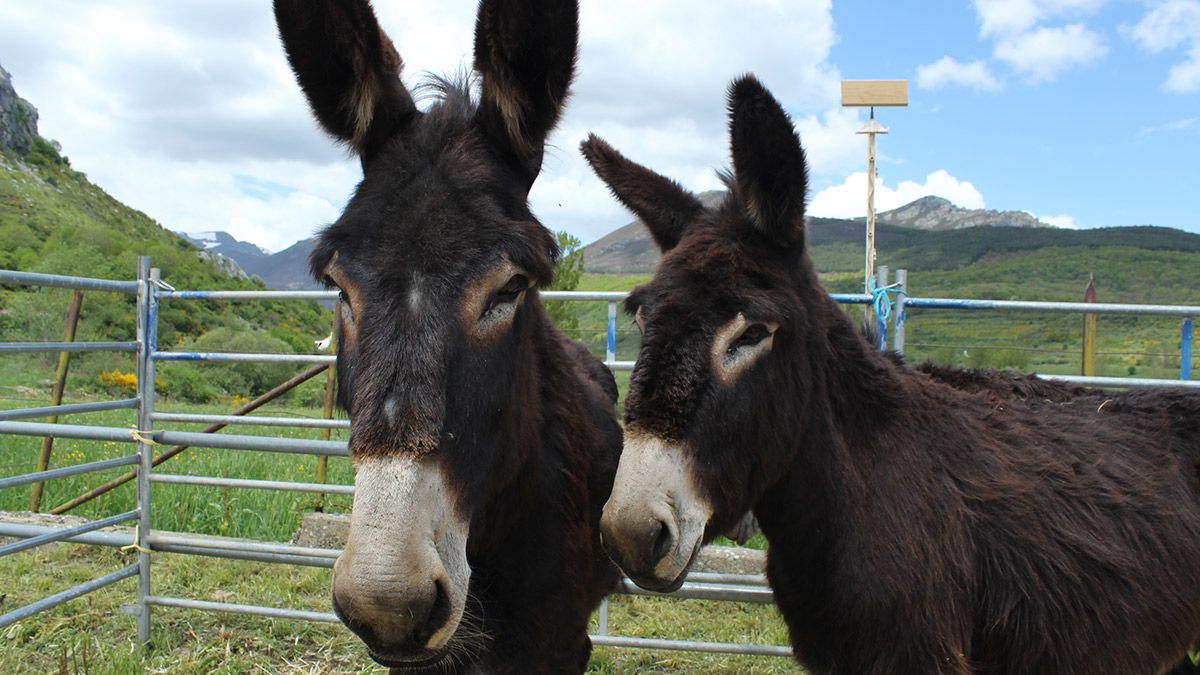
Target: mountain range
x,y
629,249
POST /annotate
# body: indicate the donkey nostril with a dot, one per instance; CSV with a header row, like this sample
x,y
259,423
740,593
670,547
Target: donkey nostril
x,y
439,613
662,542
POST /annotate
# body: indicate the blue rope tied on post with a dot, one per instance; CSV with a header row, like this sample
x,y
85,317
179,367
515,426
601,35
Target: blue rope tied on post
x,y
883,299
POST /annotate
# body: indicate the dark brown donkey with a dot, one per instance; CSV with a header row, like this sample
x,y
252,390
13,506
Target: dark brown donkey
x,y
913,527
484,442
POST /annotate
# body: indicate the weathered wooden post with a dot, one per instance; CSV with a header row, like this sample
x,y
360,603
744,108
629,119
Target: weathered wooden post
x,y
330,389
60,385
1089,331
869,94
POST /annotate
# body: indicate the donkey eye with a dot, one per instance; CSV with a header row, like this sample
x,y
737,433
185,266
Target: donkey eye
x,y
508,293
345,308
753,335
639,321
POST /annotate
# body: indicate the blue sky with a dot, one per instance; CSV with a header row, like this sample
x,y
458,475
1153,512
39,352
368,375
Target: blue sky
x,y
1083,112
1102,139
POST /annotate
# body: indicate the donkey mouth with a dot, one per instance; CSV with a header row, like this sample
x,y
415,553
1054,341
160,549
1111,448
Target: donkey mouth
x,y
657,586
415,662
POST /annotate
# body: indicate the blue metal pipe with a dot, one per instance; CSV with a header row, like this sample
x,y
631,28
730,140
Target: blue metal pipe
x,y
1185,351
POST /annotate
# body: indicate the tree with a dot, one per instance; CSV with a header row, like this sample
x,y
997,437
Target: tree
x,y
566,278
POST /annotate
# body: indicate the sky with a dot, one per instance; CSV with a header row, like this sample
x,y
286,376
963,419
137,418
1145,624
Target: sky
x,y
1085,113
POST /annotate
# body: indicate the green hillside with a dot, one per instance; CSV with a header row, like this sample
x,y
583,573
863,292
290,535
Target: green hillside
x,y
53,220
1148,265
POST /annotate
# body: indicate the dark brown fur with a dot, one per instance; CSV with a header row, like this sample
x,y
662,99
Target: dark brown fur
x,y
914,527
523,422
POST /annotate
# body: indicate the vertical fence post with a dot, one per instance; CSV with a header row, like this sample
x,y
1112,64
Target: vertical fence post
x,y
881,283
147,344
1185,351
327,413
602,620
899,336
60,385
610,350
1088,368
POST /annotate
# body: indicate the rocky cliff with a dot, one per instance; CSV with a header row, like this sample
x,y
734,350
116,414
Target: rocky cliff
x,y
18,118
936,213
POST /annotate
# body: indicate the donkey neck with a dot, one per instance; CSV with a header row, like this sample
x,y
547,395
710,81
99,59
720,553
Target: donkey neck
x,y
852,397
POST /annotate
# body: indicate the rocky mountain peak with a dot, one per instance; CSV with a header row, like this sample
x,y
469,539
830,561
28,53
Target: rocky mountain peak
x,y
18,118
936,213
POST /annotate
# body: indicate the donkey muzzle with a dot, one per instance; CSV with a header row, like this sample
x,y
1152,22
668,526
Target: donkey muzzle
x,y
653,524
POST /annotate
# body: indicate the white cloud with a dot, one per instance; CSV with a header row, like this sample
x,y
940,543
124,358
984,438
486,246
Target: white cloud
x,y
1175,125
1064,221
1170,24
1009,17
1043,53
948,71
165,103
1184,78
849,199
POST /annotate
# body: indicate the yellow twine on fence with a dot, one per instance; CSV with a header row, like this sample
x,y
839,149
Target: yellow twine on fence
x,y
136,545
142,436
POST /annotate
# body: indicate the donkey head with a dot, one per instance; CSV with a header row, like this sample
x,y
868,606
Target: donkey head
x,y
438,258
719,321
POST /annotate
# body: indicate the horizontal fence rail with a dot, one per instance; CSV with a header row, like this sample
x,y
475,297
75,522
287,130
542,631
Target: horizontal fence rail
x,y
68,347
1121,382
40,476
67,409
70,594
286,486
61,534
9,277
1056,307
298,422
231,357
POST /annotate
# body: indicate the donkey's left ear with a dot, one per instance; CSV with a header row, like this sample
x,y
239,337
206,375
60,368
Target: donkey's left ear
x,y
770,172
525,54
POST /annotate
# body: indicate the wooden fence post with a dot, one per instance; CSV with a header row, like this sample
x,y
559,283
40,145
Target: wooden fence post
x,y
1089,331
330,388
60,385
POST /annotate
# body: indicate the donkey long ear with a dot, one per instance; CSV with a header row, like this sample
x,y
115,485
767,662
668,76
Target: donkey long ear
x,y
525,55
660,202
769,168
348,68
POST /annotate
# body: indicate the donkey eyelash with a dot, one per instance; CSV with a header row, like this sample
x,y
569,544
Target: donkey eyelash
x,y
753,335
508,294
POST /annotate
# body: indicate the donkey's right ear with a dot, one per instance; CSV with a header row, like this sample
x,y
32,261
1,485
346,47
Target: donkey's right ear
x,y
348,68
661,203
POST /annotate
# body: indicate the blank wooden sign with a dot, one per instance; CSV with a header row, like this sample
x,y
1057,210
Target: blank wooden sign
x,y
874,93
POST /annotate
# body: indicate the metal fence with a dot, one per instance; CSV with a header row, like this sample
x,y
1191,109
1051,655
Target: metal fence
x,y
150,292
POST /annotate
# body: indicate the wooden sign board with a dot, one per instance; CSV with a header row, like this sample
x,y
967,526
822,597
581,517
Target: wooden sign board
x,y
874,93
